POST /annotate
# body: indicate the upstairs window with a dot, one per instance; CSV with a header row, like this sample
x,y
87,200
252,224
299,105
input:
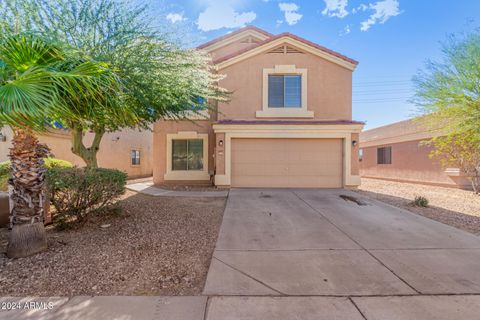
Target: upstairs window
x,y
384,155
284,91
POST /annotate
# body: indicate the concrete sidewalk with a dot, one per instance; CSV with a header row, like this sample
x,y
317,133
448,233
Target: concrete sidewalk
x,y
243,308
150,189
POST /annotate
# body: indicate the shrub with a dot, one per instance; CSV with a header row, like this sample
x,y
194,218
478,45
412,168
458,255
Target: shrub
x,y
49,163
4,175
77,192
420,201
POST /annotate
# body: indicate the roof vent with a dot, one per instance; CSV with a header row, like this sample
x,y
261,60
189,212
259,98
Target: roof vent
x,y
285,50
250,40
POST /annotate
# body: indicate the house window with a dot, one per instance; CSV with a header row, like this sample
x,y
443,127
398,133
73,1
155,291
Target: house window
x,y
384,155
187,155
284,91
135,156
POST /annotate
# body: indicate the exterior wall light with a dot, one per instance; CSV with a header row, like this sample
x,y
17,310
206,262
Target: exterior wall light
x,y
354,143
220,143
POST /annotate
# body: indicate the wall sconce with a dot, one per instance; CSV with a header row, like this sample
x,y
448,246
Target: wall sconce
x,y
220,143
354,143
3,138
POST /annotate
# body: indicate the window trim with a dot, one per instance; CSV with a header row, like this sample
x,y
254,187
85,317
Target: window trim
x,y
189,175
139,157
301,112
383,156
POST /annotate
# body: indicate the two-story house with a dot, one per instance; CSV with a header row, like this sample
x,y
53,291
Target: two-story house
x,y
288,124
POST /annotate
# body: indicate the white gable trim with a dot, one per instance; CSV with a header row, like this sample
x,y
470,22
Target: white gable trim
x,y
253,33
293,42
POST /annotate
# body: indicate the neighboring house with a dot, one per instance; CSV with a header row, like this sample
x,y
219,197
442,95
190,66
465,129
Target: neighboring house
x,y
128,150
288,124
396,152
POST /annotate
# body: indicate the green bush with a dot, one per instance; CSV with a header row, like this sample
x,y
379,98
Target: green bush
x,y
4,175
57,163
420,201
49,163
77,192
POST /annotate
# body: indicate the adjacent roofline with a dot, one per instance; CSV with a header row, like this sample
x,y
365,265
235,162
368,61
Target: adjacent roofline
x,y
302,122
403,131
291,39
233,36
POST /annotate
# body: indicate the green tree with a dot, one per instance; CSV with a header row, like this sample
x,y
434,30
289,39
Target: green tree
x,y
159,78
34,76
448,92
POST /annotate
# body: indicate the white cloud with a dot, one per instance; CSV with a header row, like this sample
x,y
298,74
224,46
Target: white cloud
x,y
291,12
383,10
345,30
175,17
335,8
220,15
362,7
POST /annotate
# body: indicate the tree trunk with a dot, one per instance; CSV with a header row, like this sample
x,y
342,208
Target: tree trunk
x,y
27,194
89,155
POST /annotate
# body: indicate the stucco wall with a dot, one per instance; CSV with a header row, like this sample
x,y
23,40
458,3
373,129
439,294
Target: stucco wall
x,y
114,150
160,131
230,48
410,162
329,88
355,170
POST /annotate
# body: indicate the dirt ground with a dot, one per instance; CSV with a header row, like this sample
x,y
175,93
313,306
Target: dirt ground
x,y
455,207
156,246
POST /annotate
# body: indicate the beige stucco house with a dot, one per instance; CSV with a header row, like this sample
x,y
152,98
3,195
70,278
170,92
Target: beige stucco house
x,y
397,152
288,124
128,150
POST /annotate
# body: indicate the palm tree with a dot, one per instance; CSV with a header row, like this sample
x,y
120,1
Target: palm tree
x,y
35,76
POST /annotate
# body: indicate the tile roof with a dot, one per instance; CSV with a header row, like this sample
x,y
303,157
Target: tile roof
x,y
289,35
287,122
209,43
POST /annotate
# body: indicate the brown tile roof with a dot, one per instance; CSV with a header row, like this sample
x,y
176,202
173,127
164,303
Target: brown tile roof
x,y
287,34
209,43
286,122
402,129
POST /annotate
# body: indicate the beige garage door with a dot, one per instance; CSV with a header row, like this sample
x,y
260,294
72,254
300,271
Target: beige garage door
x,y
287,163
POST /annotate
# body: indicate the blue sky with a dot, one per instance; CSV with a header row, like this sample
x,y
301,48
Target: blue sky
x,y
391,39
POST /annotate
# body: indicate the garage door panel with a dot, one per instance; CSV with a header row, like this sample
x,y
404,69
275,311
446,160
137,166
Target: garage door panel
x,y
285,182
292,163
306,170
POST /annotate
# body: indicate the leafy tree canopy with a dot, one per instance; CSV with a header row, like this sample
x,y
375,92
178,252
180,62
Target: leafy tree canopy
x,y
448,93
157,77
449,90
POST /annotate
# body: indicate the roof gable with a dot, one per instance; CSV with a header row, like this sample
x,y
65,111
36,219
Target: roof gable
x,y
250,32
287,39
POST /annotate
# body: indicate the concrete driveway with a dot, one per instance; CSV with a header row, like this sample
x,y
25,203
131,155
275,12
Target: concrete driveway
x,y
310,248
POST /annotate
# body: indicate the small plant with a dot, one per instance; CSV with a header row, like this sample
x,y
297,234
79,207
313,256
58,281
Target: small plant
x,y
77,192
420,202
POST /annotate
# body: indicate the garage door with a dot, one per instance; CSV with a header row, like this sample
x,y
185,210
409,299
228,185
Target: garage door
x,y
287,163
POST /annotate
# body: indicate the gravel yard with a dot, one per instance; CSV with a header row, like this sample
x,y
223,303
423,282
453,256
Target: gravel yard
x,y
455,207
156,246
